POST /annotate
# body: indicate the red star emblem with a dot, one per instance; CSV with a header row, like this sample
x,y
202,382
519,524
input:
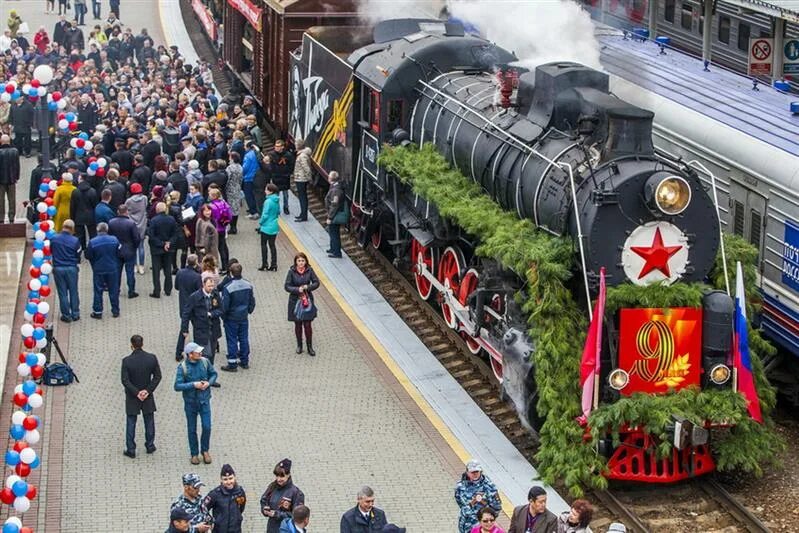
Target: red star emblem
x,y
656,256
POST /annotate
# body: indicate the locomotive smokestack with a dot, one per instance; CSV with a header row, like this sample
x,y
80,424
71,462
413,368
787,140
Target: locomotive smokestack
x,y
629,132
507,82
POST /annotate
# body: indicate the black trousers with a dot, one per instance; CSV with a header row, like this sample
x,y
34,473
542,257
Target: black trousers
x,y
224,253
23,142
267,247
162,263
302,193
149,432
80,233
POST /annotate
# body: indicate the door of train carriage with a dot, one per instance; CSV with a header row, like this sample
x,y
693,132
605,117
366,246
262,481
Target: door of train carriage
x,y
748,216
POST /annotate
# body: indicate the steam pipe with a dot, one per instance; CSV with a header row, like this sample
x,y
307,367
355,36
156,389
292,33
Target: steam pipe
x,y
704,169
580,239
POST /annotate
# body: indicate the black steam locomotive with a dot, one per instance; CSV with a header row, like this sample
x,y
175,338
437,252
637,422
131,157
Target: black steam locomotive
x,y
552,145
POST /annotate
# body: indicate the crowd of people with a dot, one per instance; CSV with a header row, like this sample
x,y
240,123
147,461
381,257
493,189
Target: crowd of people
x,y
180,166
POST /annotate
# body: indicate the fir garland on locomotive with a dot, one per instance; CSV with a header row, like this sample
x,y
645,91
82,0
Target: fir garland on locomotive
x,y
508,192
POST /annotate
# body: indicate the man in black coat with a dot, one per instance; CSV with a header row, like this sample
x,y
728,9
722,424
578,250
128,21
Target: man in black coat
x,y
118,191
141,174
21,118
81,209
282,166
178,181
36,179
141,375
203,310
187,281
127,233
214,176
73,37
60,31
122,157
163,236
9,175
149,149
364,517
87,114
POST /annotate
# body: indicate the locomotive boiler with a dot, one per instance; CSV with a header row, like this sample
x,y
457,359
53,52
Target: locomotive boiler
x,y
552,145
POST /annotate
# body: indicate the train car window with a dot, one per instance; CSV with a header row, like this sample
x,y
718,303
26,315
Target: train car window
x,y
687,17
669,11
724,29
756,224
744,31
374,106
394,118
738,221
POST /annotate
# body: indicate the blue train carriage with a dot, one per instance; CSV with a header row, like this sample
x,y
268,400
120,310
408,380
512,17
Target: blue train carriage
x,y
749,140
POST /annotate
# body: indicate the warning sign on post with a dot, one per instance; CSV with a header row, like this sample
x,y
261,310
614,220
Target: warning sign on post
x,y
791,57
761,56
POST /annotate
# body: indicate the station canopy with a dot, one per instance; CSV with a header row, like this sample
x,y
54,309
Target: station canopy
x,y
784,9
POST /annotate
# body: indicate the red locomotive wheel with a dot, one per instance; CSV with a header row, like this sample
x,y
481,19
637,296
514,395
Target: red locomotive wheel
x,y
377,238
450,267
468,286
356,220
423,256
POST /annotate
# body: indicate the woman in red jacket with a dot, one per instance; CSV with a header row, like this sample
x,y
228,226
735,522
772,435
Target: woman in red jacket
x,y
41,40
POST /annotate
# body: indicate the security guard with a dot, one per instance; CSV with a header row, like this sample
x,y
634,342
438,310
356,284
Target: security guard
x,y
192,502
226,502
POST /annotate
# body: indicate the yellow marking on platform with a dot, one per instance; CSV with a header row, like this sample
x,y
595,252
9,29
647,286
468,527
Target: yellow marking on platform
x,y
399,374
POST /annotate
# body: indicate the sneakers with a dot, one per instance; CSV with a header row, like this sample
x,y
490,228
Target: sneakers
x,y
195,460
206,458
98,316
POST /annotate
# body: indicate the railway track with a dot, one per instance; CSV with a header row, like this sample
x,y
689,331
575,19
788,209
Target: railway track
x,y
694,507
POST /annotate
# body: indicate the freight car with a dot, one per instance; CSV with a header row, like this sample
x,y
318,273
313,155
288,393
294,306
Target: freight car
x,y
554,146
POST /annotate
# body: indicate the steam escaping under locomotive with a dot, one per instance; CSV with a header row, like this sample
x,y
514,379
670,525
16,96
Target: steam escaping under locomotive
x,y
552,145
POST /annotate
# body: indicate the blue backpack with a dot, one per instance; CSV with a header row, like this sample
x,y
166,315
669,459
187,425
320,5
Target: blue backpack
x,y
58,374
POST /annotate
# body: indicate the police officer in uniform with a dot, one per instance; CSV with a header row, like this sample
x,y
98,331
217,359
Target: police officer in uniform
x,y
226,502
191,501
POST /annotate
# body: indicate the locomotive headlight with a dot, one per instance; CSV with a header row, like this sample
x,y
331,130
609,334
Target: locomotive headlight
x,y
670,195
720,374
618,379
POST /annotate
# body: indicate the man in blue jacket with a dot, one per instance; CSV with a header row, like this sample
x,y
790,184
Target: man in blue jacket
x,y
249,167
238,302
103,253
193,379
126,231
103,211
65,248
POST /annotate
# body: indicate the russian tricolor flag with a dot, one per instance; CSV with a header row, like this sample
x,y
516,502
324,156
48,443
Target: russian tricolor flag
x,y
742,362
592,355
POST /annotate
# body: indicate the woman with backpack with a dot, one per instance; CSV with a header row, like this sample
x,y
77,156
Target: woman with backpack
x,y
221,215
301,281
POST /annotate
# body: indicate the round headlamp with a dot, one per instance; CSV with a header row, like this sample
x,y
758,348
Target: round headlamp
x,y
618,379
720,374
670,195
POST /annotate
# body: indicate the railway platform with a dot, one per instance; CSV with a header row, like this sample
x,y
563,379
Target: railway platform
x,y
373,408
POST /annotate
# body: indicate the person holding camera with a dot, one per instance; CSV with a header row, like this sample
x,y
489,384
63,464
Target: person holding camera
x,y
281,497
472,493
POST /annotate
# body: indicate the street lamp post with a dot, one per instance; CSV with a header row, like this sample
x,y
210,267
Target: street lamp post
x,y
44,75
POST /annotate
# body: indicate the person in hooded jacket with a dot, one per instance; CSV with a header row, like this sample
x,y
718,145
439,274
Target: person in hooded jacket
x,y
62,200
137,211
473,492
81,207
280,497
227,502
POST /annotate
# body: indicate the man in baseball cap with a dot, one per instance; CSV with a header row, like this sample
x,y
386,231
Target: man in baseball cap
x,y
178,521
191,503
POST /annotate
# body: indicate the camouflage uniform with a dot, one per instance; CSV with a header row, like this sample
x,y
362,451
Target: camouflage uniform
x,y
199,514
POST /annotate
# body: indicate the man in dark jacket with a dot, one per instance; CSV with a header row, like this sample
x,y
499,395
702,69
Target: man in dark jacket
x,y
122,157
201,310
36,179
226,502
282,166
238,302
178,181
534,516
141,174
118,191
9,175
126,231
73,37
21,118
162,231
141,375
87,114
214,176
60,31
103,253
364,517
81,209
66,249
334,203
187,281
149,149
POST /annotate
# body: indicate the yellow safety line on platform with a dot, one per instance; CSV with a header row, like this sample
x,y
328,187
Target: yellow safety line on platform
x,y
399,374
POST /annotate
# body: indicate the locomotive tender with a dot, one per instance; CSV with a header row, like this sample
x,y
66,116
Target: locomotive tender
x,y
552,145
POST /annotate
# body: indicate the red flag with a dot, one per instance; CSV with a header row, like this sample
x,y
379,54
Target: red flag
x,y
592,352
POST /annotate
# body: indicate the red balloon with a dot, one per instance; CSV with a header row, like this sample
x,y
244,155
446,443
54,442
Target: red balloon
x,y
45,290
35,272
56,97
37,372
42,216
92,159
34,300
31,494
50,194
30,422
81,143
22,469
26,529
39,391
101,171
20,398
10,88
6,496
22,357
35,83
20,445
48,201
44,226
29,342
46,250
38,318
73,126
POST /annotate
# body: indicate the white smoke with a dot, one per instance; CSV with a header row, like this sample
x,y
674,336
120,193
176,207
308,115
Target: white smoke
x,y
374,11
538,31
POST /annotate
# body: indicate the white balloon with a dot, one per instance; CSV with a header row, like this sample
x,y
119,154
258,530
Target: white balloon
x,y
74,142
88,145
41,359
46,268
53,185
41,343
42,91
26,88
42,194
23,370
18,417
90,172
40,235
27,455
41,207
62,124
44,307
102,162
62,103
14,520
5,97
35,400
32,437
10,480
26,329
38,254
22,503
18,388
27,316
34,284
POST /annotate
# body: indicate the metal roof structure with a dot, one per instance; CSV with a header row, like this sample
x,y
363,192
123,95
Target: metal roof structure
x,y
784,9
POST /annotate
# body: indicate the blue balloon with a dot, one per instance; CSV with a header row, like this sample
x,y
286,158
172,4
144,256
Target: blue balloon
x,y
31,360
16,431
36,462
2,87
38,244
50,233
27,408
79,152
52,106
51,210
16,94
70,117
10,528
19,488
33,92
94,166
12,457
38,334
31,308
29,387
33,294
83,135
45,279
37,261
